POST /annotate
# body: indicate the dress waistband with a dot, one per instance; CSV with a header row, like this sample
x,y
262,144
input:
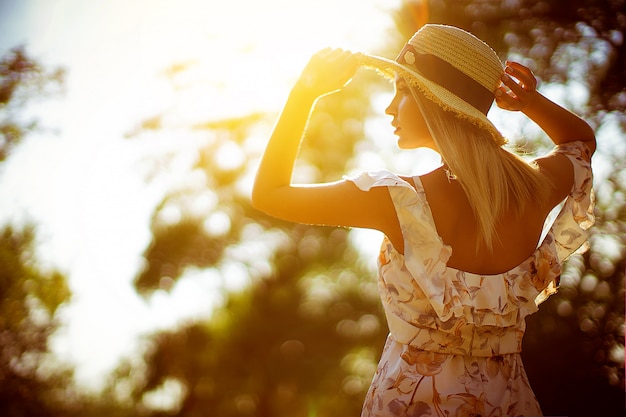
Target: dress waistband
x,y
460,339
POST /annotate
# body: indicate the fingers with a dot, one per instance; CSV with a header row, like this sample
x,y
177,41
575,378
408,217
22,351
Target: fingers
x,y
512,85
523,74
510,95
329,70
340,64
518,87
335,54
506,101
335,58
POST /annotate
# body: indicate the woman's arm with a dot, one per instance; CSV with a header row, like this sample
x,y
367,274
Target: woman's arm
x,y
339,203
326,72
560,124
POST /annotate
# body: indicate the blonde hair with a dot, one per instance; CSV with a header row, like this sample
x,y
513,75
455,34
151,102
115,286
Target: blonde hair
x,y
493,178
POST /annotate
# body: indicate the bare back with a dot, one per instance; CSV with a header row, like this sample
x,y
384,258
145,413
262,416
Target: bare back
x,y
457,226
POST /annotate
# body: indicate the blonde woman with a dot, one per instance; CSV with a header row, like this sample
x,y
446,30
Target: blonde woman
x,y
462,262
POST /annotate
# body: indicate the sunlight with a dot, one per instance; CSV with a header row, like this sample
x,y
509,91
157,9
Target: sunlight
x,y
229,156
253,51
167,397
236,57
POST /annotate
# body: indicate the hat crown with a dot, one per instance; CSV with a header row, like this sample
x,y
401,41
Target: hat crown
x,y
462,50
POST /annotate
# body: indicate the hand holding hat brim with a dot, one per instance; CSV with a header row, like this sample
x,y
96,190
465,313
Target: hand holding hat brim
x,y
450,67
328,71
518,89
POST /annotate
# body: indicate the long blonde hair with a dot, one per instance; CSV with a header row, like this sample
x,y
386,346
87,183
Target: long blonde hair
x,y
493,178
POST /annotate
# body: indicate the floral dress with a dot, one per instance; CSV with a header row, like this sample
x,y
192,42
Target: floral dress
x,y
455,337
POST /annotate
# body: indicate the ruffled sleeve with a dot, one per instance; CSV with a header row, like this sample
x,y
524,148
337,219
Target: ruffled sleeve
x,y
570,228
383,178
425,254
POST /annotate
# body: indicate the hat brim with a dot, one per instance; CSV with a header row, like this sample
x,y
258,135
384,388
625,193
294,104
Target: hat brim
x,y
433,91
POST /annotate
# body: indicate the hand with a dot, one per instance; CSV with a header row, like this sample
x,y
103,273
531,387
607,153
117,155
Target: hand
x,y
328,71
518,89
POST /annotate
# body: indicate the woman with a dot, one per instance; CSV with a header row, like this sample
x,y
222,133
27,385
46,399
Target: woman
x,y
461,263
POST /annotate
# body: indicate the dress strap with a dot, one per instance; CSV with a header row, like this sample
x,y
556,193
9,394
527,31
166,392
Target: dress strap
x,y
425,254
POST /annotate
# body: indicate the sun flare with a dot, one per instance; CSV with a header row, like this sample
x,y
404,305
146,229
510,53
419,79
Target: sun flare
x,y
238,57
247,53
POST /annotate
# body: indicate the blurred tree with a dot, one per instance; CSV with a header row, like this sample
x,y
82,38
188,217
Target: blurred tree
x,y
32,383
283,346
303,336
22,81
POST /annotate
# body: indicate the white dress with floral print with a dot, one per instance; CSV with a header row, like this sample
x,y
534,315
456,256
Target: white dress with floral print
x,y
455,337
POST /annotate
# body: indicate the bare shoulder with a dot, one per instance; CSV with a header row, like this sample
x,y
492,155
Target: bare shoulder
x,y
558,172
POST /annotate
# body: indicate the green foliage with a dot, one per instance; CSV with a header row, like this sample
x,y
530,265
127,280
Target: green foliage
x,y
174,248
193,240
277,348
30,382
576,340
297,340
22,80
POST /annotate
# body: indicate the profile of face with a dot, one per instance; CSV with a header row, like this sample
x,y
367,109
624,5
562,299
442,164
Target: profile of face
x,y
409,124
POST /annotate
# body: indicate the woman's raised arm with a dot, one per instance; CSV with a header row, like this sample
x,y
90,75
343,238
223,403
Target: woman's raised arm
x,y
327,71
560,124
339,203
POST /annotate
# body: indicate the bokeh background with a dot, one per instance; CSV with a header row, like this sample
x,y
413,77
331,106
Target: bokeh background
x,y
136,279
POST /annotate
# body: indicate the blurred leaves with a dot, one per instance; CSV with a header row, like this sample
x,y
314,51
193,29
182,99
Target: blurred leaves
x,y
576,340
298,338
174,248
209,212
30,379
270,350
22,81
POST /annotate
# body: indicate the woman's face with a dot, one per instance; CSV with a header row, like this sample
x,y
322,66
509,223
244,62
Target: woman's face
x,y
410,126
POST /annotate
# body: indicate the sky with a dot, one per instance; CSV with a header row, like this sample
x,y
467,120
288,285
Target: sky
x,y
81,182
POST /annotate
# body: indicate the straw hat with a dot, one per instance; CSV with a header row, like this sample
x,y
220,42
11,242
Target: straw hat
x,y
451,67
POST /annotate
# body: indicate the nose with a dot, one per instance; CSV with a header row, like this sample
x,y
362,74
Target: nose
x,y
391,109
